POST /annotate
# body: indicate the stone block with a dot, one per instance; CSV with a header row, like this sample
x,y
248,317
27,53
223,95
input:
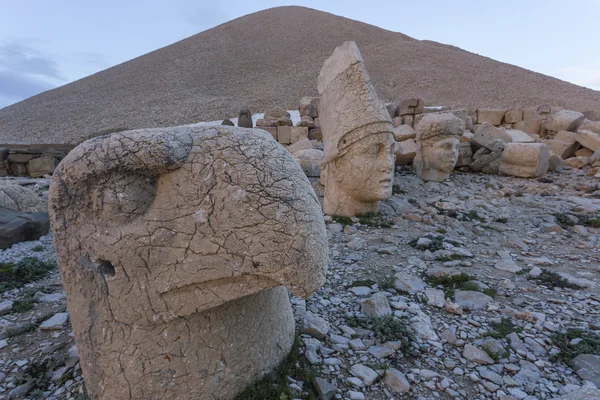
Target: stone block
x,y
525,160
584,152
397,121
284,134
492,116
488,132
392,109
554,162
588,139
41,166
531,126
17,226
315,134
405,152
303,144
518,136
306,122
411,106
588,125
272,130
465,154
20,157
18,169
298,133
576,162
592,115
310,162
513,116
309,106
564,120
408,120
403,132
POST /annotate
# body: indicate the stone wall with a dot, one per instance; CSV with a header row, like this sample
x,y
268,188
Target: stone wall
x,y
31,160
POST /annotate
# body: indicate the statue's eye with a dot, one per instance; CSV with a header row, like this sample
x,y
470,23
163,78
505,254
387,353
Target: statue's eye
x,y
124,198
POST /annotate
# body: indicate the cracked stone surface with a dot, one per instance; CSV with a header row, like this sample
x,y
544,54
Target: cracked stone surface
x,y
173,245
358,142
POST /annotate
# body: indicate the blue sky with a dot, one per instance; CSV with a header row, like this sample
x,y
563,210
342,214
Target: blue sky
x,y
44,44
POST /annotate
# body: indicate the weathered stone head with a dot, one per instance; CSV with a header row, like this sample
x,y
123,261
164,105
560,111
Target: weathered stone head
x,y
173,245
437,146
357,136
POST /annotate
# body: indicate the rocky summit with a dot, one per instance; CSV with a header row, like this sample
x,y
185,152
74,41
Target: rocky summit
x,y
480,287
272,58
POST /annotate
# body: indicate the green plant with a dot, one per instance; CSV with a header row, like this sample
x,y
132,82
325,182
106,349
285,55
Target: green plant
x,y
387,283
362,282
473,215
442,231
503,328
377,220
470,285
396,190
590,221
497,356
563,220
553,280
450,257
501,220
518,193
275,385
38,248
20,306
27,270
450,283
412,201
342,219
587,343
491,292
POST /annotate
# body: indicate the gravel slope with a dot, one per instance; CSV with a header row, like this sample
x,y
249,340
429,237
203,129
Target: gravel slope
x,y
266,59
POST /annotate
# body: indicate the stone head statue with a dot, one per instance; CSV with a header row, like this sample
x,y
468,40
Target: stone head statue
x,y
173,246
357,136
437,146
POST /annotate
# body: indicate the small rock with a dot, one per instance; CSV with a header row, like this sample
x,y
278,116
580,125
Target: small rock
x,y
476,355
376,306
55,323
396,381
315,326
325,390
364,373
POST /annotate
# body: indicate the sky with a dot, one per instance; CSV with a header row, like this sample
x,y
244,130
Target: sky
x,y
45,44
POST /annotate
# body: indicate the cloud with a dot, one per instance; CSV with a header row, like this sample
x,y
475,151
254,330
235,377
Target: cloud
x,y
25,72
27,61
14,84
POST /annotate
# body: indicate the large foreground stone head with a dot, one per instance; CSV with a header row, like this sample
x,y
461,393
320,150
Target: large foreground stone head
x,y
357,136
158,232
437,146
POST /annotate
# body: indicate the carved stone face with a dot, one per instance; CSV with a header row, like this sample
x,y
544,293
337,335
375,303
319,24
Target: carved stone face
x,y
181,224
441,155
366,172
173,244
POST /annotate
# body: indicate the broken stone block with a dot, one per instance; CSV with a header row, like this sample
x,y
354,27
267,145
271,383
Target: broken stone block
x,y
18,169
518,136
303,144
298,133
279,116
587,125
564,120
513,116
492,116
376,306
530,126
488,132
588,139
310,161
584,152
306,122
184,280
487,159
271,129
18,226
408,120
564,144
309,107
404,132
284,134
392,109
227,122
554,162
245,118
397,121
525,160
465,154
411,106
405,152
576,162
41,166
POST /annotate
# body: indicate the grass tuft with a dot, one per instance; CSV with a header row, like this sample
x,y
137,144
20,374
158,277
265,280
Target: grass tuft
x,y
588,343
553,280
19,274
503,328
